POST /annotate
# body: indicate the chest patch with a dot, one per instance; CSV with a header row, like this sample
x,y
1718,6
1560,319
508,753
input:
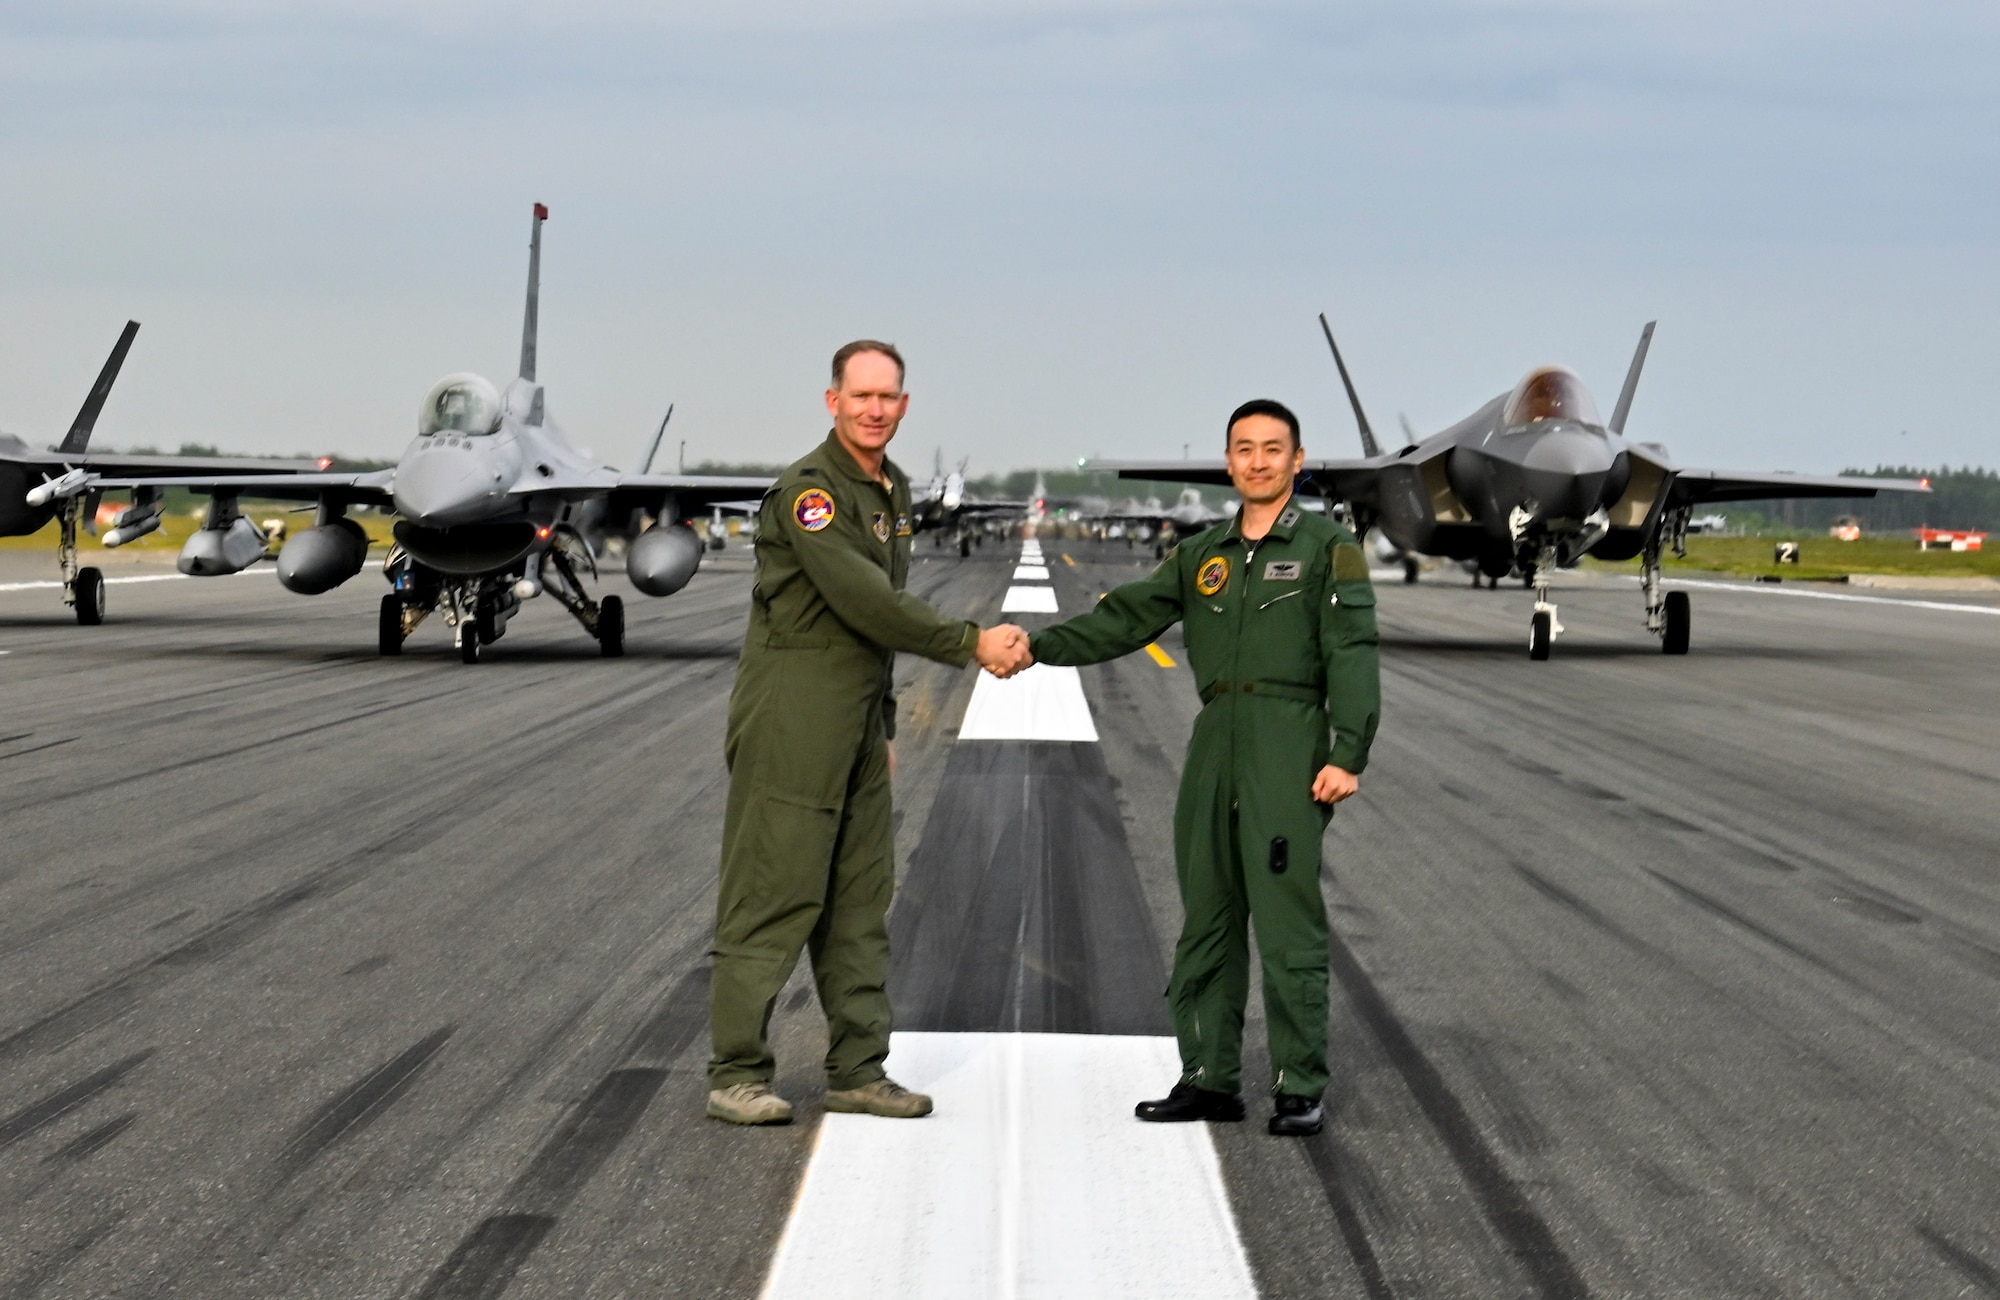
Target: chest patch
x,y
881,526
1212,577
1283,571
813,508
902,525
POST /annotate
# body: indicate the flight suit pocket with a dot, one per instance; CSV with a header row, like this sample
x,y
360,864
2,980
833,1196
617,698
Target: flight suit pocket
x,y
1281,855
1356,594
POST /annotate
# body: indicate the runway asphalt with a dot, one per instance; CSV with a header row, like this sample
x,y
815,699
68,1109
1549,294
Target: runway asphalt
x,y
329,975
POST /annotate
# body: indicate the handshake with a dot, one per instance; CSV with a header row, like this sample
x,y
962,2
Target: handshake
x,y
1003,650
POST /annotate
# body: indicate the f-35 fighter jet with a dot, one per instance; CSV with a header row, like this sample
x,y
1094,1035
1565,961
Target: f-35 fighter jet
x,y
494,507
1532,482
62,484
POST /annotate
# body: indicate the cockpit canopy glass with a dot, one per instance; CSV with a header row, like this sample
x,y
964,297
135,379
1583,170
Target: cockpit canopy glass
x,y
460,404
1551,393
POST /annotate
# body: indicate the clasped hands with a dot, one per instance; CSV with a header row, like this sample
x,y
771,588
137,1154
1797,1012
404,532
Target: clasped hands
x,y
1003,650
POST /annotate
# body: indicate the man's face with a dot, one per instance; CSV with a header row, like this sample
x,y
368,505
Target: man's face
x,y
869,403
1262,460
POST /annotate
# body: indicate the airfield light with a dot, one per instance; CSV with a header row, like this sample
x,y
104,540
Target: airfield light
x,y
1926,482
542,533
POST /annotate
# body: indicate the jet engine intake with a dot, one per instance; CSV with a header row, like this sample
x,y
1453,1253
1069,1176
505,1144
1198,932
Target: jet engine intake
x,y
215,551
321,558
662,559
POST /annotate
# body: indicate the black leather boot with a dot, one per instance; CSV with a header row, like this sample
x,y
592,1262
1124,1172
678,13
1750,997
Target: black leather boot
x,y
1296,1116
1187,1102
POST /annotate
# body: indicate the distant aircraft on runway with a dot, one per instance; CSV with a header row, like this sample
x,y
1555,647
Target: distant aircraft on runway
x,y
1532,482
947,509
59,484
495,508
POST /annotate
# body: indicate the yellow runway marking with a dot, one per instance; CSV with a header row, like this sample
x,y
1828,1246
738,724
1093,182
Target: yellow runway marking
x,y
1069,559
1160,657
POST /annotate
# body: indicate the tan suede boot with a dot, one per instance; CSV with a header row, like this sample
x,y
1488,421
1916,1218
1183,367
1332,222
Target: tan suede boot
x,y
749,1103
883,1097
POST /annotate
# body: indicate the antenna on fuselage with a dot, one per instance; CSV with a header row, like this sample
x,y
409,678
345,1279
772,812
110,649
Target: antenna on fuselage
x,y
534,293
1369,446
1624,407
654,450
77,440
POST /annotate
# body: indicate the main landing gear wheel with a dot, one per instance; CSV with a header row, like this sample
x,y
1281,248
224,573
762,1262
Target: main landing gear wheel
x,y
468,642
389,626
964,547
1679,620
89,597
1541,631
1409,573
611,627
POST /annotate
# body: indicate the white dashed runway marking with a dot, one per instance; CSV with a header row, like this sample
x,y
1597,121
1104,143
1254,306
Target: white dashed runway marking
x,y
1032,1180
1029,600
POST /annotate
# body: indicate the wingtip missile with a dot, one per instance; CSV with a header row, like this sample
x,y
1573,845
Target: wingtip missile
x,y
60,488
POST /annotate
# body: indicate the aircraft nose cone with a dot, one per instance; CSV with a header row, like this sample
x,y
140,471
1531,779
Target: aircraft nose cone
x,y
443,487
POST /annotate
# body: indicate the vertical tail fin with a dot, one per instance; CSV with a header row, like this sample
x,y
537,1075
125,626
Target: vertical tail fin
x,y
534,293
1369,447
1624,407
77,440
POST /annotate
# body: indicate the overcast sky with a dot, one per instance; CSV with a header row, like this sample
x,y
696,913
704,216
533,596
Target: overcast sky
x,y
1093,225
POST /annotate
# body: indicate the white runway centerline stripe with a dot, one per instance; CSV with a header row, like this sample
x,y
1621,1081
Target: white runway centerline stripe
x,y
1031,572
1031,1180
137,577
1029,600
1040,703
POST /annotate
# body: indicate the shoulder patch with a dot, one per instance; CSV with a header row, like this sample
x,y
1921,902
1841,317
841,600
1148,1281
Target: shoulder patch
x,y
1212,576
813,509
1349,563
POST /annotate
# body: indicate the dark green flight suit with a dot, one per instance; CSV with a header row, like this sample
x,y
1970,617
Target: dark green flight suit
x,y
1281,636
808,855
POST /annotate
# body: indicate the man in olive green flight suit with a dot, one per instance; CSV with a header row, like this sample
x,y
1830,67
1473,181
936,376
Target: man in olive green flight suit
x,y
1279,617
807,842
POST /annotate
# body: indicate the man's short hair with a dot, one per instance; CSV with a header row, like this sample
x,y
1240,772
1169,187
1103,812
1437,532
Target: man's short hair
x,y
859,346
1263,406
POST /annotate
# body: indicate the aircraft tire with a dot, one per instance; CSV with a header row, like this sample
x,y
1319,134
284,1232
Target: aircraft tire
x,y
964,547
1539,629
1680,617
611,627
89,597
389,626
468,642
1410,573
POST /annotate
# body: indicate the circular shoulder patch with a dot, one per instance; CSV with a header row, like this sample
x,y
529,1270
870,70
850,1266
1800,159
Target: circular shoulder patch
x,y
1212,576
813,508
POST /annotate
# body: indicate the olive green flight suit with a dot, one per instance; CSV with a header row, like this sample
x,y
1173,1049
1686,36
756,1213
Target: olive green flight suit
x,y
1281,637
808,854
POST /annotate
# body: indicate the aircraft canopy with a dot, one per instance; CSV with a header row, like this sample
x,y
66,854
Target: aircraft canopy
x,y
1550,393
460,404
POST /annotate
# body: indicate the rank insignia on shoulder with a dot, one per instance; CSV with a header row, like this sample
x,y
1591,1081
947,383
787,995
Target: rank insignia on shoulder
x,y
1290,517
881,522
1283,571
1212,576
813,508
902,525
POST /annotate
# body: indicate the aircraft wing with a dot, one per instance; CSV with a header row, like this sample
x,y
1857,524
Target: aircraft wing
x,y
1345,480
1700,486
363,489
693,492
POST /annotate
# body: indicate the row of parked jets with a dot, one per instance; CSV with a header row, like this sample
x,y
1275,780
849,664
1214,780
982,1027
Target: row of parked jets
x,y
493,506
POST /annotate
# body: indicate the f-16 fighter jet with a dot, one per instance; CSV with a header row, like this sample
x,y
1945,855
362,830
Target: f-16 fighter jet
x,y
62,484
952,513
494,508
1532,482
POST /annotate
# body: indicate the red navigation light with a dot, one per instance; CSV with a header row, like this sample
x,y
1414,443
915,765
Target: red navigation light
x,y
326,462
542,533
1926,483
541,212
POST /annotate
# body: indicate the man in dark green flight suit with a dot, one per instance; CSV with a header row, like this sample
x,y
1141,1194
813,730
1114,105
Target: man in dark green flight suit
x,y
807,842
1279,617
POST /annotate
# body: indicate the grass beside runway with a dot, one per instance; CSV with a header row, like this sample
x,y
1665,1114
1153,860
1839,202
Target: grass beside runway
x,y
1822,558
